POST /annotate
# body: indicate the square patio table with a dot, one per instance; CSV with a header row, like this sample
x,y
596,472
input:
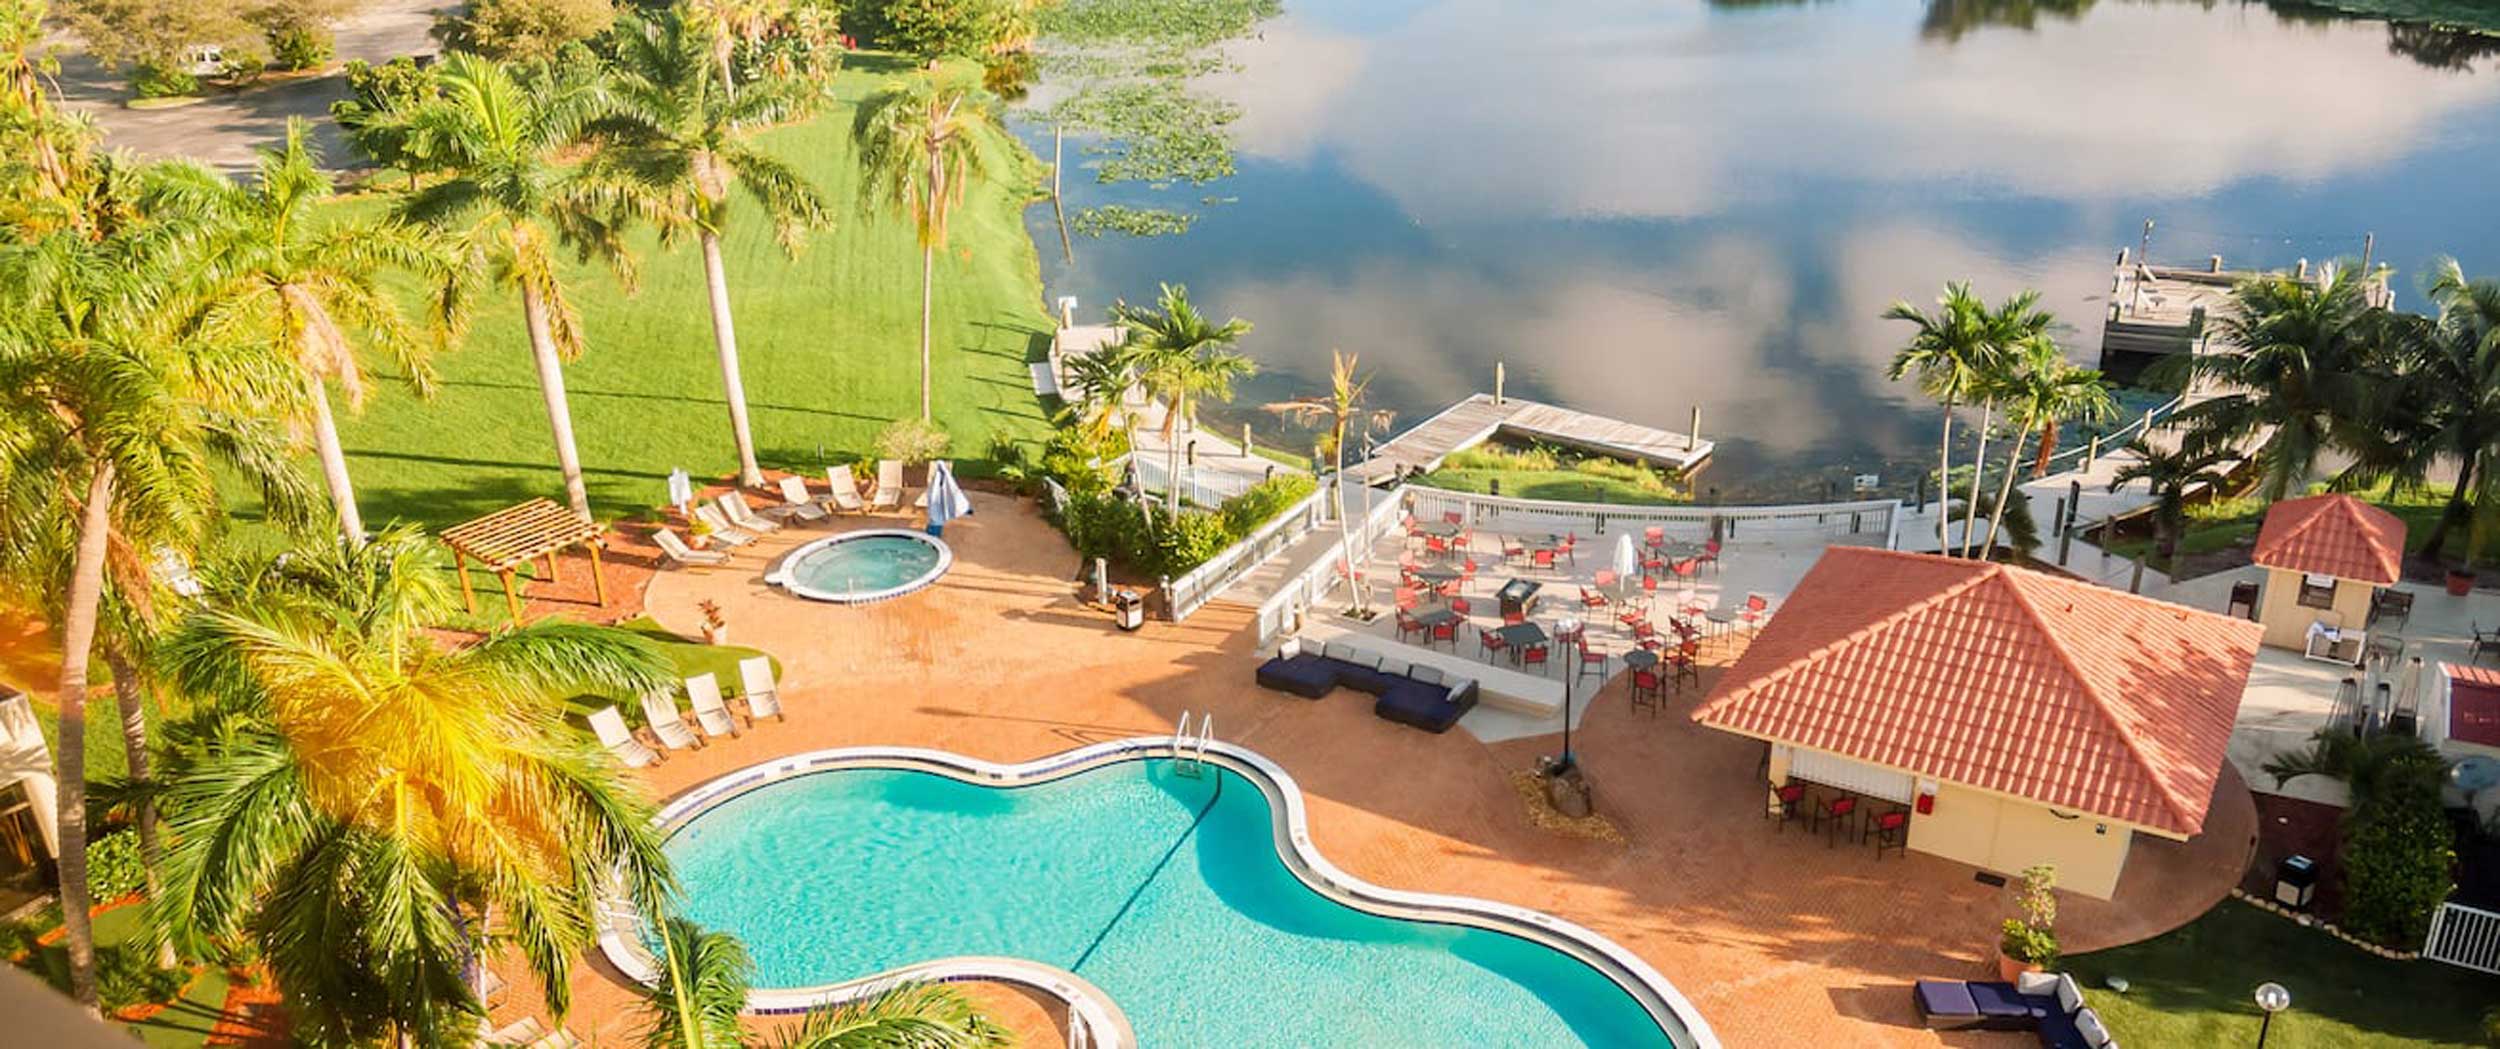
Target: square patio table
x,y
1441,529
1437,574
1434,615
1520,635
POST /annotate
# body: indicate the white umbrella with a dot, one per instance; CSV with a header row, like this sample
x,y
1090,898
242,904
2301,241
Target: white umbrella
x,y
1627,560
946,498
680,489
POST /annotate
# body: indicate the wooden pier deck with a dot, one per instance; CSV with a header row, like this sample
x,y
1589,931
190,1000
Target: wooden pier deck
x,y
2161,311
1479,418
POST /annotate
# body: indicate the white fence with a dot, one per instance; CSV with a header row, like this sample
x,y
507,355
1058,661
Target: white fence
x,y
2464,936
1191,592
1292,602
1206,488
1870,522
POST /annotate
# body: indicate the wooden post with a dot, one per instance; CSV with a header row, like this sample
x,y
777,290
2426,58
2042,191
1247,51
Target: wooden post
x,y
598,576
1497,382
552,573
511,593
1693,439
468,597
1245,440
2091,452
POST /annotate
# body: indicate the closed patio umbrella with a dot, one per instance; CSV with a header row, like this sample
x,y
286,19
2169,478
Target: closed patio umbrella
x,y
946,498
1627,560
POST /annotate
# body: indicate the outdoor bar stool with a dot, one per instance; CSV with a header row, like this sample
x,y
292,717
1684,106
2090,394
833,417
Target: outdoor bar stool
x,y
1889,830
1788,805
1833,812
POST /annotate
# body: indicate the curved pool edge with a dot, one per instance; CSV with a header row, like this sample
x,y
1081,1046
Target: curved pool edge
x,y
779,574
1109,1026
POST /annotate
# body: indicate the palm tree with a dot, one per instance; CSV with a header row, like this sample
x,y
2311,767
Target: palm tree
x,y
2170,474
2040,391
286,270
678,134
1097,391
920,146
371,806
500,139
1342,409
2374,765
701,988
729,23
2442,404
1952,353
117,425
1182,358
2290,363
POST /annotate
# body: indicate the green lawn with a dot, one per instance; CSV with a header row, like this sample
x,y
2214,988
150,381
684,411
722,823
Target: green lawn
x,y
2223,523
1544,472
829,341
184,1024
2192,986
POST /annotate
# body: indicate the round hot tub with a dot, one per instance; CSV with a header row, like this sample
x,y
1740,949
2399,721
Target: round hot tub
x,y
859,567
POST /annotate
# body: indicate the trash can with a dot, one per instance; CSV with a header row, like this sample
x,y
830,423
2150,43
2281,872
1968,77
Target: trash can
x,y
1128,608
2294,880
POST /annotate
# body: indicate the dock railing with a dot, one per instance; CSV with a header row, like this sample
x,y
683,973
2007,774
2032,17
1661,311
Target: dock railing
x,y
1868,522
1292,602
2072,457
1200,585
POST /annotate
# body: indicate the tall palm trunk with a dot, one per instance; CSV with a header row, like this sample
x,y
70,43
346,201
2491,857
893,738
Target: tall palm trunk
x,y
2457,512
2005,492
86,591
134,713
559,410
2048,450
333,461
1345,524
928,277
1944,479
725,340
1172,456
1978,474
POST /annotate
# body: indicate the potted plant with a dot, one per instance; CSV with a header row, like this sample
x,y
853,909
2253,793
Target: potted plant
x,y
2460,581
699,534
2029,943
715,628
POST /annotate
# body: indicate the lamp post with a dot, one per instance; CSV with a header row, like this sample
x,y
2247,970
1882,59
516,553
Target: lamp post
x,y
1568,627
2272,998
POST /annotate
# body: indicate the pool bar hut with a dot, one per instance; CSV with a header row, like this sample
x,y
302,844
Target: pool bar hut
x,y
2326,558
1990,715
508,538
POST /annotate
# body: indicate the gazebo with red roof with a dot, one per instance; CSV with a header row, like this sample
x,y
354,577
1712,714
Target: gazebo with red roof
x,y
2326,556
2021,718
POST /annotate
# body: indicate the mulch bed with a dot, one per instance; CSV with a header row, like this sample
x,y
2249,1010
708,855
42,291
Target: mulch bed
x,y
2289,826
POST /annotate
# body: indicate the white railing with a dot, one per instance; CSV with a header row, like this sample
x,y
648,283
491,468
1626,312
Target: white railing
x,y
1192,591
1293,601
2118,438
2464,936
1206,488
1866,521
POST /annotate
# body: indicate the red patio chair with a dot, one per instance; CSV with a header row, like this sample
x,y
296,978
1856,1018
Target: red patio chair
x,y
1452,517
1589,658
1571,548
1643,633
1757,608
1533,655
1644,687
1514,617
1606,577
1436,546
1834,811
1458,605
1408,625
1591,598
1890,830
1685,570
1654,535
1680,663
1408,598
1488,644
1785,804
1542,559
1710,556
1513,549
1446,632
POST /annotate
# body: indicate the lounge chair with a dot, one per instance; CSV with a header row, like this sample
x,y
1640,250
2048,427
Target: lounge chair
x,y
609,725
845,494
722,531
524,1031
889,494
703,692
761,694
679,553
733,505
660,711
796,503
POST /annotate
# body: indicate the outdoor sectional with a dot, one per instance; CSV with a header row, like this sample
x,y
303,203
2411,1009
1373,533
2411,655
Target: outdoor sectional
x,y
1415,695
2050,1006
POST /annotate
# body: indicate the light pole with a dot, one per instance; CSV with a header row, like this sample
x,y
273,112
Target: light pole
x,y
2272,998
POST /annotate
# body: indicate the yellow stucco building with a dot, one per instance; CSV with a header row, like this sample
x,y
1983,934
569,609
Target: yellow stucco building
x,y
2326,556
2002,717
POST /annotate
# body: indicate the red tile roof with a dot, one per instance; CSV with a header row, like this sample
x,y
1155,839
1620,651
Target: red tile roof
x,y
2333,534
2072,695
2473,705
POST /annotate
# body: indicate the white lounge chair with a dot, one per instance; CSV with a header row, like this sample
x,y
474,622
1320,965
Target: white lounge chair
x,y
889,495
679,553
795,502
609,725
733,504
703,692
845,494
762,694
660,711
523,1031
722,531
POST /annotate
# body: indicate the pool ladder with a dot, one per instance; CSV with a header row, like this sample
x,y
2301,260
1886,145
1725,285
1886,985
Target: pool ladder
x,y
1190,752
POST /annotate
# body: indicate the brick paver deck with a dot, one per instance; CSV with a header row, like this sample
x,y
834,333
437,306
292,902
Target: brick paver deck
x,y
1777,938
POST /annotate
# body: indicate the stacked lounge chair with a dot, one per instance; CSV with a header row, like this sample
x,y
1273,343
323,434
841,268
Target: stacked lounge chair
x,y
733,505
845,494
722,531
681,554
796,503
2049,1005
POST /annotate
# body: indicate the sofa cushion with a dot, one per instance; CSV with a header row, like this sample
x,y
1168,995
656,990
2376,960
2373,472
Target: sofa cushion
x,y
2057,1031
1363,677
1460,687
2069,994
1425,673
2038,983
1305,675
2006,1008
1395,667
1424,706
1944,1003
2088,1023
1289,647
1345,653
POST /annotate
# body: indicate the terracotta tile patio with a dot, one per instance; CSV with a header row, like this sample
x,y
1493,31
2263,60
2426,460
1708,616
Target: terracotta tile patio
x,y
1778,939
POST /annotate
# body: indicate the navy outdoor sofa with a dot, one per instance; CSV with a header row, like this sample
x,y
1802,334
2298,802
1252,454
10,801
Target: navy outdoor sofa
x,y
2050,1006
1409,695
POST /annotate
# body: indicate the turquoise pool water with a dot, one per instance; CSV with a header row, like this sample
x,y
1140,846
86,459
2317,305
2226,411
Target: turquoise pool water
x,y
1164,890
866,565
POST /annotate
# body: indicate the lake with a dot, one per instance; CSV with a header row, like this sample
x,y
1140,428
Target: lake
x,y
1644,207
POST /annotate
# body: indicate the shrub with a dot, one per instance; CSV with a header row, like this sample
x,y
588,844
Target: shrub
x,y
114,867
523,30
162,80
2398,851
937,28
910,440
1244,513
1186,540
301,46
1102,525
1081,464
126,975
2032,937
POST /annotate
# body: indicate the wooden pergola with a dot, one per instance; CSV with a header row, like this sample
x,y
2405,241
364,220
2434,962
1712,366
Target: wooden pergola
x,y
515,534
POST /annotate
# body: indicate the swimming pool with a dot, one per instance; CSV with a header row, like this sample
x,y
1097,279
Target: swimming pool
x,y
859,567
1165,891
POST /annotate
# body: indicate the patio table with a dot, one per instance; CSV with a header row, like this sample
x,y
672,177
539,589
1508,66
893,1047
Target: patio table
x,y
1441,529
1640,659
1435,615
1437,574
1520,635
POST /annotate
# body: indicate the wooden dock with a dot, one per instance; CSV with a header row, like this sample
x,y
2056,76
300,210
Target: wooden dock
x,y
1482,417
2161,311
